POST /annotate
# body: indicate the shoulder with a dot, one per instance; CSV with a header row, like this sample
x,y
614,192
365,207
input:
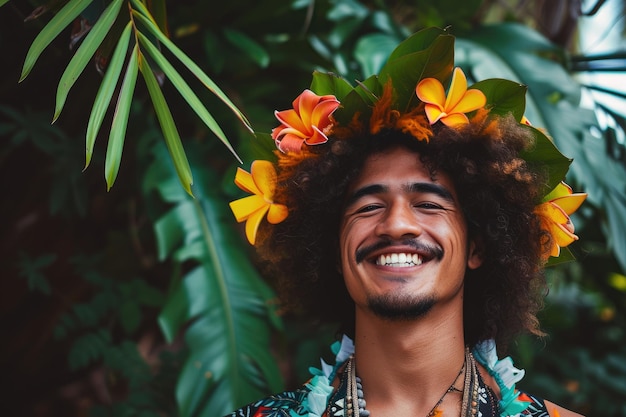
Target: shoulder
x,y
540,407
501,377
558,411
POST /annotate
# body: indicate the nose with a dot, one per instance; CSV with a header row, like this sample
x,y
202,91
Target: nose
x,y
400,221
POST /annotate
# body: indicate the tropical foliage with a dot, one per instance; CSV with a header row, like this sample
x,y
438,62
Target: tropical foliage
x,y
144,298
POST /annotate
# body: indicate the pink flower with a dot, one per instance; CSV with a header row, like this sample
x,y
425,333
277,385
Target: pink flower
x,y
308,122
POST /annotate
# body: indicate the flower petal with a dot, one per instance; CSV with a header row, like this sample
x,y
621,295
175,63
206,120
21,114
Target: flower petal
x,y
246,206
556,222
555,249
293,132
433,113
458,87
563,235
264,176
570,203
430,91
305,105
277,213
290,118
454,119
472,100
317,138
289,143
321,114
252,225
244,180
553,212
277,132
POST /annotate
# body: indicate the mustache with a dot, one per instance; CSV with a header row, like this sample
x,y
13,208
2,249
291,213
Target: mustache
x,y
432,250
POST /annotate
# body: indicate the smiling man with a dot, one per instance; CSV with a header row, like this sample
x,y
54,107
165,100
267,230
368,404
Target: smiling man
x,y
421,222
403,239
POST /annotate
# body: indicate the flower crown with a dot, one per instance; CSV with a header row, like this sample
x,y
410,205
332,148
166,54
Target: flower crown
x,y
411,88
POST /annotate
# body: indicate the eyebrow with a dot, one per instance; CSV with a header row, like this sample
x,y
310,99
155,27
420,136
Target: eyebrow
x,y
417,187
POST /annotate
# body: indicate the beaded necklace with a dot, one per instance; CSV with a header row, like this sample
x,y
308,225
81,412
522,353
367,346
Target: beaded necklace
x,y
355,405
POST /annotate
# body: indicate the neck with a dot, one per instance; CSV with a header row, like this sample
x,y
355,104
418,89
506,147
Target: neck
x,y
393,358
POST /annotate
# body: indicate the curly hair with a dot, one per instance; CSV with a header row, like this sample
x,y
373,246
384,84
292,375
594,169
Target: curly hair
x,y
497,191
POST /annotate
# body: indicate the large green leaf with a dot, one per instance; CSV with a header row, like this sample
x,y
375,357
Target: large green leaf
x,y
357,104
60,21
504,96
222,298
419,41
413,61
545,154
324,83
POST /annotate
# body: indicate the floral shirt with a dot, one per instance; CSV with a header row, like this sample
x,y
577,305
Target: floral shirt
x,y
292,403
318,398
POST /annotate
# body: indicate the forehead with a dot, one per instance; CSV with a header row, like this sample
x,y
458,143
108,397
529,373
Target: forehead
x,y
400,166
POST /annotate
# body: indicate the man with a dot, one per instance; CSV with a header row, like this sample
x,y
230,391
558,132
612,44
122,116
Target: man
x,y
421,222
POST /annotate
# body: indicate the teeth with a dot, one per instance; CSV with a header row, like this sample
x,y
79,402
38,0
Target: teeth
x,y
399,260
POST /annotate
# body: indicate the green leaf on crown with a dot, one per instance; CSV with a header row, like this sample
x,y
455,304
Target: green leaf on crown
x,y
359,99
546,155
504,96
327,83
419,41
414,60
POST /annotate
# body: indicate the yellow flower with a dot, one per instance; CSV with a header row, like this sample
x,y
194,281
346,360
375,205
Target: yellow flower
x,y
261,182
554,216
308,122
451,109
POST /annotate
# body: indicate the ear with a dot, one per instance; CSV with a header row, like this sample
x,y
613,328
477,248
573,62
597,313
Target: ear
x,y
475,253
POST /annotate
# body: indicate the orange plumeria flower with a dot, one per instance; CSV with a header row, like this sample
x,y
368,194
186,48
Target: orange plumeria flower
x,y
308,122
261,181
554,216
451,109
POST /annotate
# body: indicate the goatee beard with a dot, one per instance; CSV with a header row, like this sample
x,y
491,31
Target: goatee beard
x,y
400,308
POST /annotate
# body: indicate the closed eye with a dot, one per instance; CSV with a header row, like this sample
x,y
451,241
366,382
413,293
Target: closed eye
x,y
368,208
429,206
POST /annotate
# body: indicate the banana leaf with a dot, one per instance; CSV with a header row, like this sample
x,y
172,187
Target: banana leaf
x,y
220,304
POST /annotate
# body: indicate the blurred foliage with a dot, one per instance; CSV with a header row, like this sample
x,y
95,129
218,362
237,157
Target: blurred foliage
x,y
218,290
168,314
